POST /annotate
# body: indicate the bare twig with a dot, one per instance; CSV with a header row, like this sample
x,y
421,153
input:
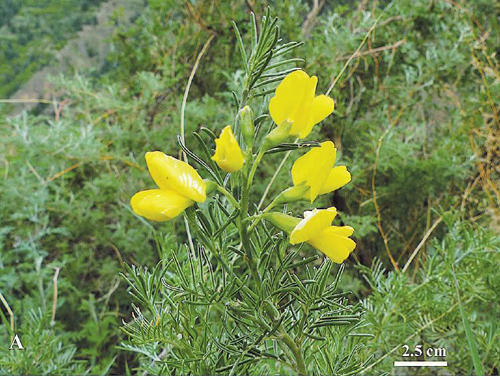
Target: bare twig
x,y
183,112
393,122
422,242
378,49
118,254
11,314
110,292
188,86
54,301
32,169
352,56
104,116
28,100
6,171
311,16
61,173
379,215
383,23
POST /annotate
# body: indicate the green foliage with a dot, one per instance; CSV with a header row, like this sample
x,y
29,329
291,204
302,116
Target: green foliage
x,y
400,113
31,31
425,308
197,317
50,351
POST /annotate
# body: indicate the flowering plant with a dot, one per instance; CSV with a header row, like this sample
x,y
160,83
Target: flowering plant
x,y
237,295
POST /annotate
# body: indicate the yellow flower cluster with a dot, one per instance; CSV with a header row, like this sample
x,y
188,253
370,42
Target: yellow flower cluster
x,y
295,109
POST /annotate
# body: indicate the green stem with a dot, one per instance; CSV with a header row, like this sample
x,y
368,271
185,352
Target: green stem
x,y
251,218
251,261
283,336
243,215
296,351
229,196
300,365
245,240
258,218
254,168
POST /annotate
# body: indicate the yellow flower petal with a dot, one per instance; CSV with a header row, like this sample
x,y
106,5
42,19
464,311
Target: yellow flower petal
x,y
333,243
172,174
159,204
314,167
289,96
342,230
228,155
338,177
321,107
303,112
313,224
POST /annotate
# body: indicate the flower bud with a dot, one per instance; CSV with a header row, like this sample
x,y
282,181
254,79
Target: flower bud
x,y
277,136
292,194
271,310
282,221
247,126
228,155
211,186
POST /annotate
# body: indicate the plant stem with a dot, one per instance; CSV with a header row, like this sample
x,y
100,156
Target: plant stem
x,y
229,196
296,351
258,218
300,365
254,169
243,215
283,336
249,254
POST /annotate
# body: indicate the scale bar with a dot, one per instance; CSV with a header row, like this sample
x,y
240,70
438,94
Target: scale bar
x,y
420,364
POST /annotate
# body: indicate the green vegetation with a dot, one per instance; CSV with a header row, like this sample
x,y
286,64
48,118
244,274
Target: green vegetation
x,y
31,31
416,122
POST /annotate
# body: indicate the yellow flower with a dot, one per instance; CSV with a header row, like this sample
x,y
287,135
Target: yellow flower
x,y
315,229
295,102
179,187
313,223
315,169
228,155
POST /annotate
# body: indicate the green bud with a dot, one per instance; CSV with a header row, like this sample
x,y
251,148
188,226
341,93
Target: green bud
x,y
259,320
292,194
210,186
247,126
271,310
282,221
277,136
